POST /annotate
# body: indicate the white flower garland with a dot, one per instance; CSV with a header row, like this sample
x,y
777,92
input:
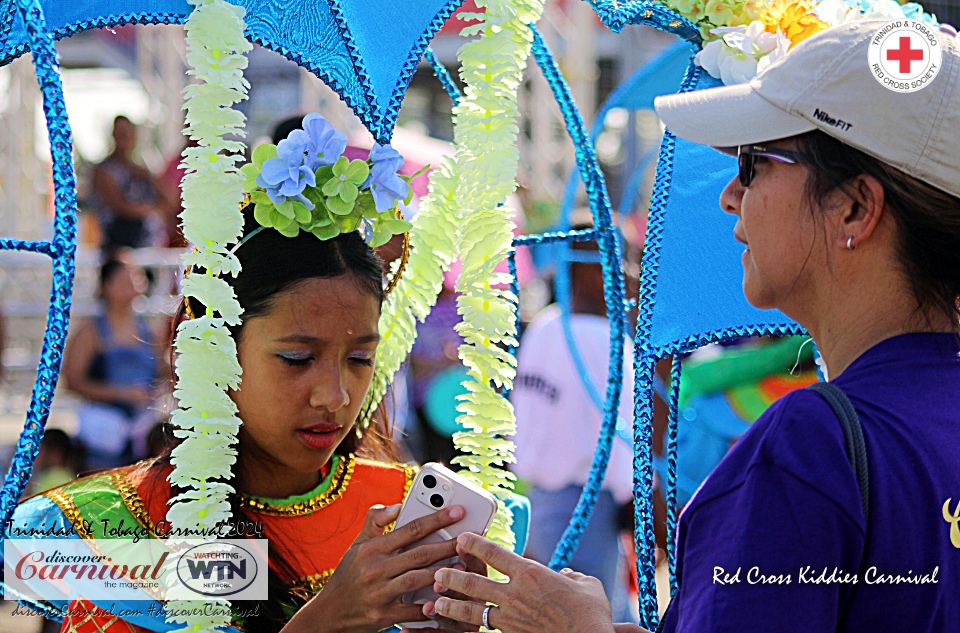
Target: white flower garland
x,y
485,133
206,364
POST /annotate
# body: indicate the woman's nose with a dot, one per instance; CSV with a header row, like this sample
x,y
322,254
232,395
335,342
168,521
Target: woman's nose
x,y
330,392
732,196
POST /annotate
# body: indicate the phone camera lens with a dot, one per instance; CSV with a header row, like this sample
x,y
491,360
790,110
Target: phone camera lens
x,y
436,501
430,481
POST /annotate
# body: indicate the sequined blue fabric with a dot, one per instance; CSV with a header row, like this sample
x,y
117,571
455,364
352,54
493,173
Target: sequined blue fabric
x,y
61,249
367,52
616,14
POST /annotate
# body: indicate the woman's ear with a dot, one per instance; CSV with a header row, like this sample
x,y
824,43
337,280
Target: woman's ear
x,y
862,210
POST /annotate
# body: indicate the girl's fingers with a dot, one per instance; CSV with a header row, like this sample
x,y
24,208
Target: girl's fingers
x,y
472,585
424,526
400,612
412,581
378,518
421,557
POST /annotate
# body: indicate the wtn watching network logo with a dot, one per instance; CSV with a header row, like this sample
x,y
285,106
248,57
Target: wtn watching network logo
x,y
214,570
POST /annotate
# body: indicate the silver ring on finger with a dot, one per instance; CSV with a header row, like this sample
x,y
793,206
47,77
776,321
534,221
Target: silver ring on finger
x,y
486,617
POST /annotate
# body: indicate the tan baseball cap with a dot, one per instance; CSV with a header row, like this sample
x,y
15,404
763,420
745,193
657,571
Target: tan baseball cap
x,y
826,83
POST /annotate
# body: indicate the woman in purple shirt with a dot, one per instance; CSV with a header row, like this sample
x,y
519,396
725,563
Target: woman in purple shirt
x,y
848,205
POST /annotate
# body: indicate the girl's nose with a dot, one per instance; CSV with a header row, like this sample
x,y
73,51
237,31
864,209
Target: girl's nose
x,y
330,392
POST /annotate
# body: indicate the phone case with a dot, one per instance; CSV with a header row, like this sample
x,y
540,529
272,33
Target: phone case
x,y
453,490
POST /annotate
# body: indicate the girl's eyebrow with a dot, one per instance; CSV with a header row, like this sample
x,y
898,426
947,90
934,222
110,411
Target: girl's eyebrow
x,y
313,340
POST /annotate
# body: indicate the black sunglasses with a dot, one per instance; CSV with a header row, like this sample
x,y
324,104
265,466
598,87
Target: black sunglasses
x,y
747,159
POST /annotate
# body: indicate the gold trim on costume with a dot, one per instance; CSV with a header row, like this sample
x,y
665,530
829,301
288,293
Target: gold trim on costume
x,y
131,499
71,511
313,583
341,477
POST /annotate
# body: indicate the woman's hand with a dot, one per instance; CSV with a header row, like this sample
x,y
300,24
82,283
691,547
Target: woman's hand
x,y
364,594
534,600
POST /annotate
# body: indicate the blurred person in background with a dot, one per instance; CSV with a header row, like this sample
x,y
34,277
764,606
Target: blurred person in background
x,y
131,206
113,362
558,425
59,461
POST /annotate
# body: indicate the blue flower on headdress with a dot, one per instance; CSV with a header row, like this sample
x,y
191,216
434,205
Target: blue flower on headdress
x,y
286,175
385,184
326,143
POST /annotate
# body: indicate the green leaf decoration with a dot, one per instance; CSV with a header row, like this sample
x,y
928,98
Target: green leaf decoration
x,y
340,167
263,153
279,221
348,223
337,206
348,191
381,235
326,232
286,209
331,187
260,197
250,173
323,174
291,230
301,213
263,213
357,171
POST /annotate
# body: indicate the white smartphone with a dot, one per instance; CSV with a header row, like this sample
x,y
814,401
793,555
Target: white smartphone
x,y
435,488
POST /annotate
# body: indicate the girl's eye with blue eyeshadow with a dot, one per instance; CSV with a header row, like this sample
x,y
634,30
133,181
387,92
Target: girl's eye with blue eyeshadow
x,y
362,358
295,359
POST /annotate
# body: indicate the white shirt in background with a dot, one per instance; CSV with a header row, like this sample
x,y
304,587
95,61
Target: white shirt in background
x,y
557,422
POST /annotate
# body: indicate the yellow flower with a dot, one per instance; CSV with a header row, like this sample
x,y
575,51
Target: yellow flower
x,y
797,19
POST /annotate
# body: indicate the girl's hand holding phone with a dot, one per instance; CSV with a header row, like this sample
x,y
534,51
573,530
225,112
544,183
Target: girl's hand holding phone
x,y
364,594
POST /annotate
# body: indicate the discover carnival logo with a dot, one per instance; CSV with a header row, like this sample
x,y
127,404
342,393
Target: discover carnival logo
x,y
905,55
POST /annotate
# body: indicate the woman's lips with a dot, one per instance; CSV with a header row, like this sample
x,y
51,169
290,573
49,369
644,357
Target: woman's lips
x,y
319,436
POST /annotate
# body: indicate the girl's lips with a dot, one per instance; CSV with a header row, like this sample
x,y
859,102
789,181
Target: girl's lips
x,y
318,440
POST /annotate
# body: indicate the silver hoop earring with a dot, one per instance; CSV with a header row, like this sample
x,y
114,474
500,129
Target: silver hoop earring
x,y
850,245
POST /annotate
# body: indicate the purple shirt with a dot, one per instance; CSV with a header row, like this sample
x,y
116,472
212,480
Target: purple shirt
x,y
782,510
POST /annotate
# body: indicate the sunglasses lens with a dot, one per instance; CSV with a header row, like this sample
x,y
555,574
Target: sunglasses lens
x,y
746,169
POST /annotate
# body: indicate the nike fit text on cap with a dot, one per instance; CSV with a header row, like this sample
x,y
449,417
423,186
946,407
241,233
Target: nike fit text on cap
x,y
826,83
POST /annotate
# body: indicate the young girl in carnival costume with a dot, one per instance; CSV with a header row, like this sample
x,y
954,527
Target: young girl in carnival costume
x,y
306,346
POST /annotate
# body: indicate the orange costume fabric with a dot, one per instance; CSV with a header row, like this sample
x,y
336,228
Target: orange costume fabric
x,y
312,534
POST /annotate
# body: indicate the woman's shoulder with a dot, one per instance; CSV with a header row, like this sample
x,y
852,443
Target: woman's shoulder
x,y
799,435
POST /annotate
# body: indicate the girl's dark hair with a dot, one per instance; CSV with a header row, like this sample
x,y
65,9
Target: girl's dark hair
x,y
927,218
272,264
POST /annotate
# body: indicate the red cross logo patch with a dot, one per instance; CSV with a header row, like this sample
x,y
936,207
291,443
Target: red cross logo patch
x,y
905,55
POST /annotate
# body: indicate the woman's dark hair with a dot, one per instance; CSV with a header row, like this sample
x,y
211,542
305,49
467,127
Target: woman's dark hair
x,y
272,264
927,218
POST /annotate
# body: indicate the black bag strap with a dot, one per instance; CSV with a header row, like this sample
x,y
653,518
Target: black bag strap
x,y
853,433
857,451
